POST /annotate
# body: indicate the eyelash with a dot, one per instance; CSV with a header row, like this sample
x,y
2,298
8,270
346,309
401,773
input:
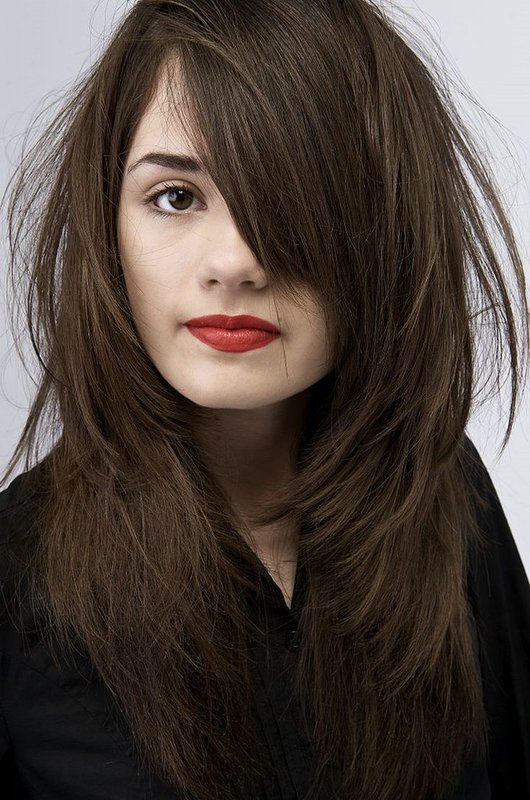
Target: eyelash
x,y
168,187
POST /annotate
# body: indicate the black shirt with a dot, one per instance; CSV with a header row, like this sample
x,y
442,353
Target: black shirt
x,y
60,738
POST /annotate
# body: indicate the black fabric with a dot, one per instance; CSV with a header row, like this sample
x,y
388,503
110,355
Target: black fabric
x,y
499,595
60,737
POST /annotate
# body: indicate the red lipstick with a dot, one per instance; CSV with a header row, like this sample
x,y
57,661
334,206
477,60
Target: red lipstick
x,y
233,334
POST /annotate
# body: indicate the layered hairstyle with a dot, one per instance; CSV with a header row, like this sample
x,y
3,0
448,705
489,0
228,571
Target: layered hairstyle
x,y
348,169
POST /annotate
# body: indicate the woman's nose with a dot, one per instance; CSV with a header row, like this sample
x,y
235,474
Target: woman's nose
x,y
230,262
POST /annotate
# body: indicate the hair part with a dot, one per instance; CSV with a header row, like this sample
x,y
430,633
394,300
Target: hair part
x,y
348,171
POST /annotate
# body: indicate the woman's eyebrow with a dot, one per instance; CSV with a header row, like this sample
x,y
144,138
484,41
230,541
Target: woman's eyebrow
x,y
177,161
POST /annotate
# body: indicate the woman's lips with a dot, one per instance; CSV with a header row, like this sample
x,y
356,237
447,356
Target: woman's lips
x,y
232,322
233,334
234,340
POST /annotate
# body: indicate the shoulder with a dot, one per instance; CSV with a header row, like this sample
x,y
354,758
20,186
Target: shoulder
x,y
498,577
23,488
499,593
479,481
18,502
498,551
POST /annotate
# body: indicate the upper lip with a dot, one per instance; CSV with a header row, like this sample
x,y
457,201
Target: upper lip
x,y
240,321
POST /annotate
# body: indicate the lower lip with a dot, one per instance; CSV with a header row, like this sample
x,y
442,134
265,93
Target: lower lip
x,y
233,341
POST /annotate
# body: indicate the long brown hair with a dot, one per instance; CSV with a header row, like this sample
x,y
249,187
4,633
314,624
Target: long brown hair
x,y
348,169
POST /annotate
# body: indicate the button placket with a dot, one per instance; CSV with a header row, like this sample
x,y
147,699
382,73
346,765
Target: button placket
x,y
293,643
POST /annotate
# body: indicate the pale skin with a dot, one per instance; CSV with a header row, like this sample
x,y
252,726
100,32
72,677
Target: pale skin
x,y
191,262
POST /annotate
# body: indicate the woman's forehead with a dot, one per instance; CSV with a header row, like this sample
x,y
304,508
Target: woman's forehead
x,y
161,125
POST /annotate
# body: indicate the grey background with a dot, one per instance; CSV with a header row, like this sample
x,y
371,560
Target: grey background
x,y
44,44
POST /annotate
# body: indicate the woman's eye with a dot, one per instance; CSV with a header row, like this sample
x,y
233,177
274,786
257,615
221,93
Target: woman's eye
x,y
172,199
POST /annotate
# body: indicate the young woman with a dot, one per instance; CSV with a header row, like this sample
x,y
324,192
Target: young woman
x,y
261,558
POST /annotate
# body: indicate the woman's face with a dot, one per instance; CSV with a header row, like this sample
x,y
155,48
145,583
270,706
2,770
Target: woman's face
x,y
184,258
